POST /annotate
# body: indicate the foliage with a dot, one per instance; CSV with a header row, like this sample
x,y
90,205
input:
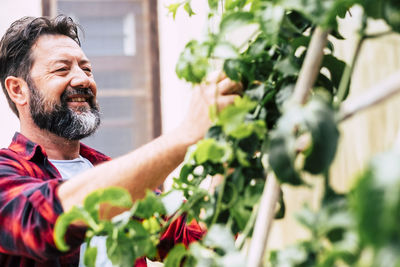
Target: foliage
x,y
263,131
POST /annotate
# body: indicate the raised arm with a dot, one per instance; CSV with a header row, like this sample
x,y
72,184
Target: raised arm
x,y
148,166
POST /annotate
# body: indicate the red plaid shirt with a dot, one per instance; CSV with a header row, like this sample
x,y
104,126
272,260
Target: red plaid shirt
x,y
29,208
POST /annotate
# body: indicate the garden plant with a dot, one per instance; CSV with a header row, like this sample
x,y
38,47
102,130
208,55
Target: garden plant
x,y
284,125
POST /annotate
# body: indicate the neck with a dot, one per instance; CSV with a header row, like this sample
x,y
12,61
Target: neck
x,y
56,147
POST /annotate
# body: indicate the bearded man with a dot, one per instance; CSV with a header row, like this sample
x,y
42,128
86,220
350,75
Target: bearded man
x,y
46,170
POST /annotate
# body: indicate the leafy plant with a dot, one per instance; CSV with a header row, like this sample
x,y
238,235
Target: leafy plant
x,y
263,131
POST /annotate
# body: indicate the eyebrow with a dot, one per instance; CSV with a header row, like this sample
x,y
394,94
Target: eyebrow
x,y
67,61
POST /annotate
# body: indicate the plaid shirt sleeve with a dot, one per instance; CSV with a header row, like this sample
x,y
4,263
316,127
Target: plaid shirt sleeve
x,y
29,208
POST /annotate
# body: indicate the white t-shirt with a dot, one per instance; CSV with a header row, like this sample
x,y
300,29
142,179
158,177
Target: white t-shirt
x,y
68,169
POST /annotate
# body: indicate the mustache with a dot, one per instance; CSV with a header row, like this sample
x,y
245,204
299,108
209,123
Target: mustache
x,y
76,91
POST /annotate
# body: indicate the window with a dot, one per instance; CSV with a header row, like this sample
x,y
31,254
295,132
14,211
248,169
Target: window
x,y
120,39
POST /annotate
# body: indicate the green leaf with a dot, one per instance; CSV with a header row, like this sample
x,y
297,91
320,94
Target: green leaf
x,y
63,222
209,150
115,196
149,206
307,218
234,4
387,256
271,18
257,48
281,158
121,220
90,256
375,200
287,67
323,13
319,119
193,62
234,69
235,20
188,9
252,194
173,8
233,259
391,14
225,50
240,214
219,236
203,256
175,256
213,4
120,251
242,157
282,146
143,244
232,117
295,255
373,8
336,68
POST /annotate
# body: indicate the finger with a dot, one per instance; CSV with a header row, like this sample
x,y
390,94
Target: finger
x,y
227,87
224,101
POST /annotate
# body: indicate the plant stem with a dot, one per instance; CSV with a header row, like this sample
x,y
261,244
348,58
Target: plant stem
x,y
249,226
347,73
219,201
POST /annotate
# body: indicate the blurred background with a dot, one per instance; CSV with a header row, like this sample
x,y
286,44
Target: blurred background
x,y
134,45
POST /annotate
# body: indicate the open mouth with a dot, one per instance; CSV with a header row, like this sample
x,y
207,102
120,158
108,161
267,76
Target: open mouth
x,y
77,99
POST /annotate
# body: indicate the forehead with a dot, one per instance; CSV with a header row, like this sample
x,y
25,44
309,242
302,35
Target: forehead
x,y
51,48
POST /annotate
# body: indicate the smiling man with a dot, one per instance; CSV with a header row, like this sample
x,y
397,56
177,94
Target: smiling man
x,y
46,170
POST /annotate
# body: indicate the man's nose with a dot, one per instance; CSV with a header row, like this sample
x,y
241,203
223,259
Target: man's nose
x,y
80,79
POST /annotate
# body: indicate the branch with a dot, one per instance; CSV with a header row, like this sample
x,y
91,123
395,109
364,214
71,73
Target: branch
x,y
311,66
378,93
269,199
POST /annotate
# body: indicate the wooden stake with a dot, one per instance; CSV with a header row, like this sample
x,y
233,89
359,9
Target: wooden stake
x,y
265,217
269,199
376,94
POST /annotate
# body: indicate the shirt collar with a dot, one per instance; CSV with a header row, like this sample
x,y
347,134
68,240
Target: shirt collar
x,y
28,149
25,147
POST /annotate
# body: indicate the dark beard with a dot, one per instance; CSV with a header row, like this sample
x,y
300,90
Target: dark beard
x,y
59,119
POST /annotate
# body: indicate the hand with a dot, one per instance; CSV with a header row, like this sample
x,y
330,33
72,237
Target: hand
x,y
217,90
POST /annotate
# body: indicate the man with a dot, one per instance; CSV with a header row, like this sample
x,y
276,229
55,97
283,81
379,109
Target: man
x,y
49,85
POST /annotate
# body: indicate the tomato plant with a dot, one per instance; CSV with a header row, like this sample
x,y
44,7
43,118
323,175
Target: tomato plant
x,y
264,131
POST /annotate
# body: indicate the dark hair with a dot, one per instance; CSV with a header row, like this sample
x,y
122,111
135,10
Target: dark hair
x,y
15,46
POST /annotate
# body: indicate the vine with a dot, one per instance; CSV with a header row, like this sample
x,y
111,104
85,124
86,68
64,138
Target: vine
x,y
263,132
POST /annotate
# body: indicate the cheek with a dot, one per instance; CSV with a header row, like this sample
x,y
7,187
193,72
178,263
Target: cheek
x,y
93,86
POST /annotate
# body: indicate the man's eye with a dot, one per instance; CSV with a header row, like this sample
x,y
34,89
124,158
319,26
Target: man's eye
x,y
61,69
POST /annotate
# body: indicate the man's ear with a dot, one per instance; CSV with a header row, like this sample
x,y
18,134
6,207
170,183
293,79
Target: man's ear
x,y
17,89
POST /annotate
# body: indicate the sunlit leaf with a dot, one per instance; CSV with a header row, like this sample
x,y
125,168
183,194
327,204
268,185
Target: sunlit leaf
x,y
90,256
235,20
176,256
63,222
115,196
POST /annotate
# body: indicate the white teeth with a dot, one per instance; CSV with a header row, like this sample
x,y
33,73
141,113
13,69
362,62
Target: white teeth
x,y
77,99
